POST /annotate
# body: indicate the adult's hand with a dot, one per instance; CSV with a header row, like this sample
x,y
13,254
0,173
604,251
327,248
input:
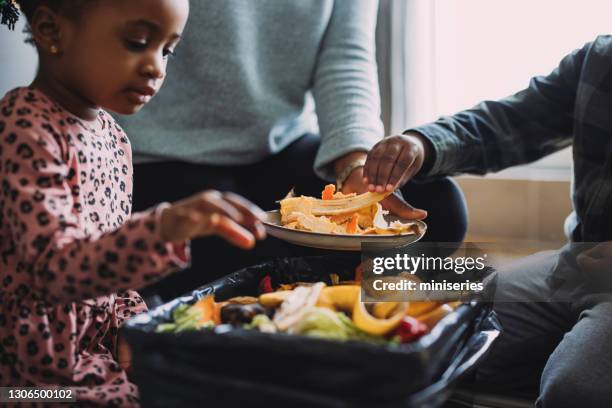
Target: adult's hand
x,y
355,184
394,161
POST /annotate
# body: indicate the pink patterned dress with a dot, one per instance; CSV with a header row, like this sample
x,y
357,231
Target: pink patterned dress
x,y
70,252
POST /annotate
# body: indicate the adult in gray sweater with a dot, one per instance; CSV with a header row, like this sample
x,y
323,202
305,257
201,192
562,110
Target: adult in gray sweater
x,y
264,96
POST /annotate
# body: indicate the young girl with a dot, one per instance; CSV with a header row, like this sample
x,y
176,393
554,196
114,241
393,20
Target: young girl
x,y
70,252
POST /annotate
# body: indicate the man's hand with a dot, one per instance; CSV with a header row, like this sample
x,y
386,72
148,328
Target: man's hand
x,y
355,184
395,160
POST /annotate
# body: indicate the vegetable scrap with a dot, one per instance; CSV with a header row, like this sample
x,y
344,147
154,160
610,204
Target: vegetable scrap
x,y
338,213
333,312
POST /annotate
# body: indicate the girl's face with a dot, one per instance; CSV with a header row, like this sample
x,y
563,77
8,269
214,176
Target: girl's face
x,y
115,55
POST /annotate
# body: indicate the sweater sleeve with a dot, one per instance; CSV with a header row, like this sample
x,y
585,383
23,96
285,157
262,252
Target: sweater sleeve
x,y
345,88
63,262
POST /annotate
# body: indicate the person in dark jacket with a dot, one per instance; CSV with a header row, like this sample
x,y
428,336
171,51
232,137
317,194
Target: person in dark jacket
x,y
554,306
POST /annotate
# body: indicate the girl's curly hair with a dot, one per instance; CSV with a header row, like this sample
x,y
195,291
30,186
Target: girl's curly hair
x,y
9,9
9,14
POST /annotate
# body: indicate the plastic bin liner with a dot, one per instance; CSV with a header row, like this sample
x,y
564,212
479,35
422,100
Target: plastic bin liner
x,y
236,367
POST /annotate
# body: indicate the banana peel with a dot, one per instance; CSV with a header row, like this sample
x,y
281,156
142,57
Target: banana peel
x,y
273,299
386,316
337,213
329,207
341,297
379,327
318,224
383,319
416,309
383,310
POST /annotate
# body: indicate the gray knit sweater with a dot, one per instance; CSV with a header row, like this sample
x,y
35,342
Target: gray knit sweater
x,y
252,76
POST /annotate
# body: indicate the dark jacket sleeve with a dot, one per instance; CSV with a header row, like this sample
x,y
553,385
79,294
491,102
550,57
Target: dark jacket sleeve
x,y
518,129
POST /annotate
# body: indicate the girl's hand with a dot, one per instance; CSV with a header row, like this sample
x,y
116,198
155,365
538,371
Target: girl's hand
x,y
393,161
227,215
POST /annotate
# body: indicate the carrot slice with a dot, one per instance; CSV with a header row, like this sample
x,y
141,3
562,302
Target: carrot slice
x,y
206,306
328,192
351,228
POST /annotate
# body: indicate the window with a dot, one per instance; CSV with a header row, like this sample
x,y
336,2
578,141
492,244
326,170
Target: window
x,y
18,60
489,49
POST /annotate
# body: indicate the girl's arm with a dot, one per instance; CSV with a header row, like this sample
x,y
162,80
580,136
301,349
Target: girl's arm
x,y
63,262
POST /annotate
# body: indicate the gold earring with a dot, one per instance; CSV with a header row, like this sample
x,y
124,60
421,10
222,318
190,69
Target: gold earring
x,y
53,49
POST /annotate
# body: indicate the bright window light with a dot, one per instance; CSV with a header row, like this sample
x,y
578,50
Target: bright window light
x,y
488,49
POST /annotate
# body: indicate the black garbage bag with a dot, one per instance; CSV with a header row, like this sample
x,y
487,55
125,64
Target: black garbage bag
x,y
248,368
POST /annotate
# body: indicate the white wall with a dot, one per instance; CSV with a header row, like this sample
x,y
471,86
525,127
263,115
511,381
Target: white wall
x,y
18,60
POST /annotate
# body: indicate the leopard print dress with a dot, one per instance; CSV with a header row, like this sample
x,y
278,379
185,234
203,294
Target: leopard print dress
x,y
70,252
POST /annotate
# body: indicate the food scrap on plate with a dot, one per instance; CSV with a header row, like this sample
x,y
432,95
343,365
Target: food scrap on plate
x,y
337,213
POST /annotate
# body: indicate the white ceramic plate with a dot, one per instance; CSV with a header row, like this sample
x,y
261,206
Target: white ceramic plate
x,y
339,242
